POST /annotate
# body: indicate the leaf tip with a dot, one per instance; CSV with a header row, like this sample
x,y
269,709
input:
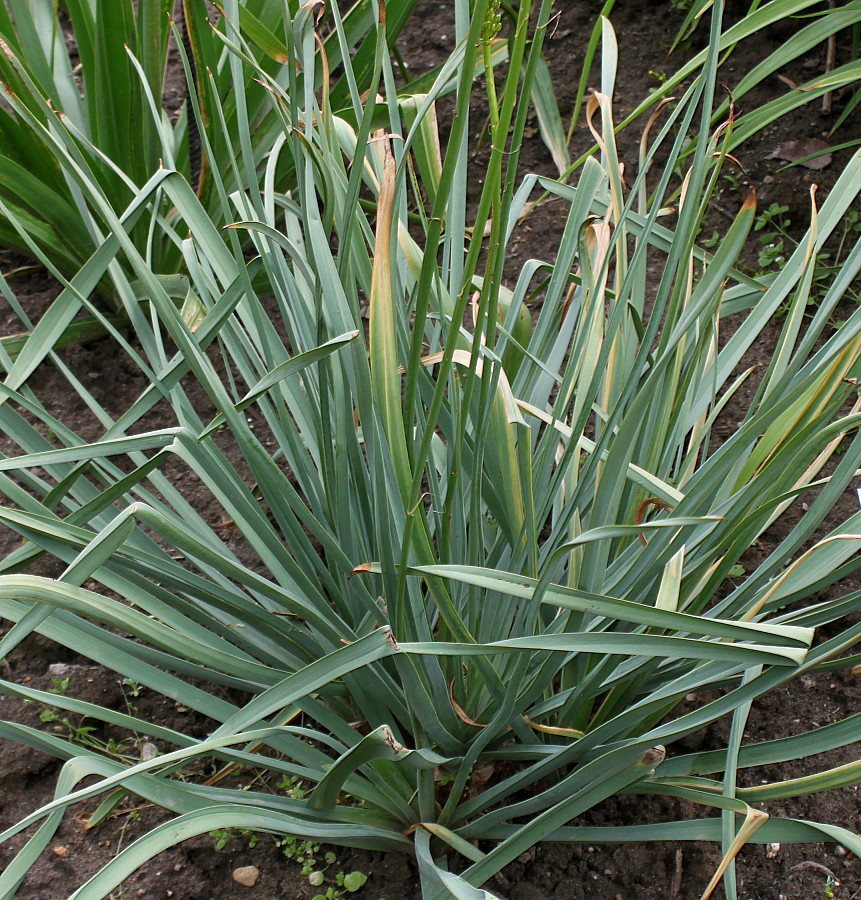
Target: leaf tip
x,y
654,756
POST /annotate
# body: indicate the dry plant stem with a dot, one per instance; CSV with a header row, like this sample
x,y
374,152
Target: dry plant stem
x,y
676,881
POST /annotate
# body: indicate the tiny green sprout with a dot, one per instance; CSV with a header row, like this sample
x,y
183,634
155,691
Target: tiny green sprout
x,y
49,714
302,852
131,687
345,883
830,883
292,786
221,836
734,179
116,748
352,881
772,254
773,217
80,734
58,686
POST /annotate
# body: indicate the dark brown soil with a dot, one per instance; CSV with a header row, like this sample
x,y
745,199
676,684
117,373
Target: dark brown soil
x,y
195,870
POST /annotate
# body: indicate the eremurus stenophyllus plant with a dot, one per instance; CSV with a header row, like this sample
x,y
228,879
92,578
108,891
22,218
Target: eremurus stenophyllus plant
x,y
476,561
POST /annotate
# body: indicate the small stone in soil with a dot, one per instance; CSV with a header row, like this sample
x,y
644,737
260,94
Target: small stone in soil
x,y
148,751
246,875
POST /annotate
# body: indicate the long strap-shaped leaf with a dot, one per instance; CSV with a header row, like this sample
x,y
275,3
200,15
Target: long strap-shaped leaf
x,y
613,608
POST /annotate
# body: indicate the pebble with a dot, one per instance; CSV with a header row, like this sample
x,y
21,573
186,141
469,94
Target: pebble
x,y
58,670
148,751
769,179
246,875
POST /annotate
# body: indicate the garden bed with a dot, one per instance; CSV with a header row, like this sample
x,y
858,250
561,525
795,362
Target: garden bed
x,y
196,870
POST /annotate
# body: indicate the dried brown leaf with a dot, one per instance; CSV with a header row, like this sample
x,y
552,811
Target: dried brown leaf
x,y
793,151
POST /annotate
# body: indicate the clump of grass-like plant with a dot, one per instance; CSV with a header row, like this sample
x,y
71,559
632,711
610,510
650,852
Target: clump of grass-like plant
x,y
102,69
485,556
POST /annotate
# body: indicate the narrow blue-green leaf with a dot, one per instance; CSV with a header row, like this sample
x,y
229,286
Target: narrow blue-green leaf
x,y
153,440
614,608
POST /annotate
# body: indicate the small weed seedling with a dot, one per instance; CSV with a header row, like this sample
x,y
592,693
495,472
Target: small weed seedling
x,y
292,786
776,244
772,225
347,883
306,854
222,836
58,686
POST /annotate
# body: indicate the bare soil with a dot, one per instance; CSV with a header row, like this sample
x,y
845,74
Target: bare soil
x,y
195,870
